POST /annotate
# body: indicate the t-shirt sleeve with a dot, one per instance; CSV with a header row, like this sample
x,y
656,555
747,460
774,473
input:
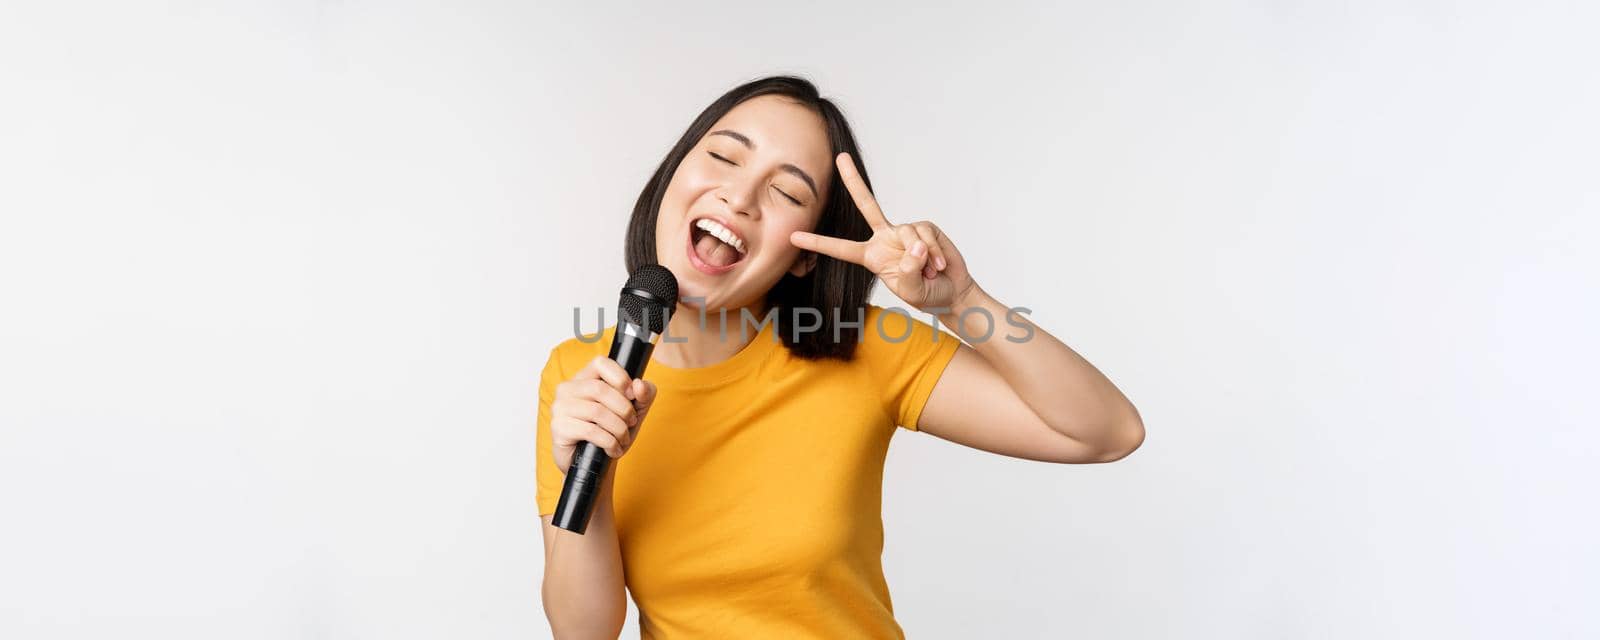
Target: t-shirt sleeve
x,y
906,357
550,478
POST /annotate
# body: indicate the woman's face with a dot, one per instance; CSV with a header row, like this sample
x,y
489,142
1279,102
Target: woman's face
x,y
724,223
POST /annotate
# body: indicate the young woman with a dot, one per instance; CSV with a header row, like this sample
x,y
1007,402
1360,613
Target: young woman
x,y
751,509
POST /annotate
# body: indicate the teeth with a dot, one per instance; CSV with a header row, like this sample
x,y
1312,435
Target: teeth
x,y
722,233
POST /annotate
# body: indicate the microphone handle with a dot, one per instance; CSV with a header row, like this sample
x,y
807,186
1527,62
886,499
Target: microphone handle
x,y
589,462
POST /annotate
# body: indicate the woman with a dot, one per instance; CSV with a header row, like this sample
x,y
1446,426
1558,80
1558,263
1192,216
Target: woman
x,y
752,508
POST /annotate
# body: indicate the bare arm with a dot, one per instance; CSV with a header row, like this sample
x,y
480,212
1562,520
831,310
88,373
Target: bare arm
x,y
1036,399
583,591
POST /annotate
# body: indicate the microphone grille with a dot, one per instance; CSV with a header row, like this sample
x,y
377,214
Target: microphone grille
x,y
649,296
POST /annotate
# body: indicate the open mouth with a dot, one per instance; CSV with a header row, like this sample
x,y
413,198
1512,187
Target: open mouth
x,y
714,247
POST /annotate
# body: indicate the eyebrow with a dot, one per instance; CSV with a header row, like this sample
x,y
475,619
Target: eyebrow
x,y
786,168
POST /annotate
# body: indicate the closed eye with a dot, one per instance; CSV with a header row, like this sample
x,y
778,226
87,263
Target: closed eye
x,y
796,201
791,198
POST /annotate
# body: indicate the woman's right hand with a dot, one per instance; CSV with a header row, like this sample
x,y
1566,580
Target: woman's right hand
x,y
600,404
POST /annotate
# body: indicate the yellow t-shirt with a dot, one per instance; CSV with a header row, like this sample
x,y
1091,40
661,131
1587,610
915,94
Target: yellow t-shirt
x,y
749,506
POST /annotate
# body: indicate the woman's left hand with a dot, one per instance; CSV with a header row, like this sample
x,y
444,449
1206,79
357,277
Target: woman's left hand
x,y
916,260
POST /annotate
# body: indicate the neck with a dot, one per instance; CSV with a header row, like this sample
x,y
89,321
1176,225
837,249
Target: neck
x,y
695,344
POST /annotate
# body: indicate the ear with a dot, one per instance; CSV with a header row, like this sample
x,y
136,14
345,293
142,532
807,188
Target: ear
x,y
803,264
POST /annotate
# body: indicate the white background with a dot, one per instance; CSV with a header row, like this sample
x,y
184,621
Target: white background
x,y
278,280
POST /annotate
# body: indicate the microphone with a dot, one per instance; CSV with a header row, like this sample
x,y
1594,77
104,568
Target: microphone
x,y
648,299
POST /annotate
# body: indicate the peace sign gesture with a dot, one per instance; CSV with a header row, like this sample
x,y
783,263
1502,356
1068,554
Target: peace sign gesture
x,y
915,260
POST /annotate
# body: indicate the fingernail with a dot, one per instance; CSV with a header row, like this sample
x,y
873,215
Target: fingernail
x,y
939,262
918,249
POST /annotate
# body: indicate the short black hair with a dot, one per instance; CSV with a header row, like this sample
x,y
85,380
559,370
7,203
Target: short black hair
x,y
838,290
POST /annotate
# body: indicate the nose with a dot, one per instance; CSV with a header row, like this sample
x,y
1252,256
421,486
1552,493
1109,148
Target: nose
x,y
742,198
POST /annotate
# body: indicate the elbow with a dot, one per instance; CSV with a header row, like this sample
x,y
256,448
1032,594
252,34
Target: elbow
x,y
1125,438
563,628
569,621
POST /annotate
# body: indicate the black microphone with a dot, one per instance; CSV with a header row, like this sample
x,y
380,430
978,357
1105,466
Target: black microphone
x,y
648,299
